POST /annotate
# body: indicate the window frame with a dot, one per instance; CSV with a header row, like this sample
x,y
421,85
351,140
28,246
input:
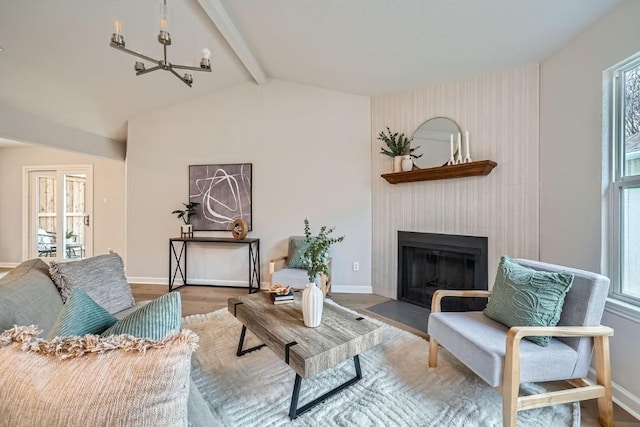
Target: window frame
x,y
625,304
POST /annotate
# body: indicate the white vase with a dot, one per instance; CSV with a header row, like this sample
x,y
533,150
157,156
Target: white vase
x,y
312,304
397,164
407,163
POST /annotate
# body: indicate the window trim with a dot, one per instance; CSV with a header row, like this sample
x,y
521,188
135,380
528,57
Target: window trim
x,y
619,302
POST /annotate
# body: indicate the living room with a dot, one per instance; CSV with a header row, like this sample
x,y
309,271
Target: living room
x,y
315,153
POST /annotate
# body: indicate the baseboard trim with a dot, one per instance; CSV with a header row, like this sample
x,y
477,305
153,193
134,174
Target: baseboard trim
x,y
351,289
622,397
206,282
9,264
626,400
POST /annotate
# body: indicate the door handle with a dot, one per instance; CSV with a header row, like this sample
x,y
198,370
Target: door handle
x,y
86,220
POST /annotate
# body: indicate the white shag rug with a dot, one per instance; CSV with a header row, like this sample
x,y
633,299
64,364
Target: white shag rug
x,y
397,389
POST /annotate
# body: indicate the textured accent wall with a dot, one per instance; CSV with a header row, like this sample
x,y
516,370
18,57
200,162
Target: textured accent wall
x,y
500,111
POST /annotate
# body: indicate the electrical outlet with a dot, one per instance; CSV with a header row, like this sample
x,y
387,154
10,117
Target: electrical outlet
x,y
356,266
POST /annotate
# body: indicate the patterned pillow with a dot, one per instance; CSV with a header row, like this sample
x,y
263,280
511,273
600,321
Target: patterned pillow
x,y
297,248
526,297
101,277
93,381
154,321
79,316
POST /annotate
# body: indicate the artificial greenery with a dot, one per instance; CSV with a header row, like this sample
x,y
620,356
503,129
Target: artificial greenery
x,y
397,145
316,255
69,234
188,211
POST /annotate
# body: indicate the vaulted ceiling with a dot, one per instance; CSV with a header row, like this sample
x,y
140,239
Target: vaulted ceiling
x,y
56,61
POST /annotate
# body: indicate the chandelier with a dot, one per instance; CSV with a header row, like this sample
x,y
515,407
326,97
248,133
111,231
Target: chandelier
x,y
164,38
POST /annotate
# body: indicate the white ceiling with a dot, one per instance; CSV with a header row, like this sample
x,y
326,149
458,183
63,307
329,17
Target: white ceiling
x,y
57,62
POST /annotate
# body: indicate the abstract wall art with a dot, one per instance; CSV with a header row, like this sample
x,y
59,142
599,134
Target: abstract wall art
x,y
224,194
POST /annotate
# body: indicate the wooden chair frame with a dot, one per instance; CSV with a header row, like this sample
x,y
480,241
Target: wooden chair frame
x,y
582,389
325,281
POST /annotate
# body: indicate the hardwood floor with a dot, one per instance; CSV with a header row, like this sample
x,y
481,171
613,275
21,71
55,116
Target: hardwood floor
x,y
204,299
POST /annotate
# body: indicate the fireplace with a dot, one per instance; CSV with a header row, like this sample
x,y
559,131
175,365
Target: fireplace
x,y
428,262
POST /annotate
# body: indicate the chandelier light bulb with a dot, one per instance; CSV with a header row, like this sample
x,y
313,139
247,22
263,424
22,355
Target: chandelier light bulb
x,y
118,26
164,16
206,53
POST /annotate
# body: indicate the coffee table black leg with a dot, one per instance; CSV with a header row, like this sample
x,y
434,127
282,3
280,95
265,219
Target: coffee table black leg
x,y
242,352
293,409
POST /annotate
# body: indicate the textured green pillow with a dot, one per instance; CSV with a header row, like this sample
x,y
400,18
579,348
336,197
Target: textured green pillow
x,y
154,321
79,316
526,297
297,248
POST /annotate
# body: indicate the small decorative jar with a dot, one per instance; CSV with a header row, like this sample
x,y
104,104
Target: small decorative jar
x,y
407,163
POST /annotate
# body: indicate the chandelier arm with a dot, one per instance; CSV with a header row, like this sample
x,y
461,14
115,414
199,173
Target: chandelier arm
x,y
148,70
178,76
186,67
134,53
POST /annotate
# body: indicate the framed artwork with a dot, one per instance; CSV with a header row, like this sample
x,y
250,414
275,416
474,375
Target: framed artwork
x,y
224,194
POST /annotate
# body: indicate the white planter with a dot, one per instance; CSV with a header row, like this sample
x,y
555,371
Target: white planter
x,y
312,304
407,163
397,164
186,231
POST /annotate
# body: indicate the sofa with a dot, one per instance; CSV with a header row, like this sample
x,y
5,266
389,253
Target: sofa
x,y
29,296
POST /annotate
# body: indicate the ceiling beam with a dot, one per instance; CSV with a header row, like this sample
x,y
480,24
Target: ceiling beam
x,y
227,28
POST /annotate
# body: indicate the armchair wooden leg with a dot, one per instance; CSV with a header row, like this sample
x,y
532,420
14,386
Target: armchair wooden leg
x,y
603,378
511,382
433,352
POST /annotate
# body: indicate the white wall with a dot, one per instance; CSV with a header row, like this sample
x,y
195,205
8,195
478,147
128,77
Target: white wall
x,y
500,111
310,150
571,160
108,183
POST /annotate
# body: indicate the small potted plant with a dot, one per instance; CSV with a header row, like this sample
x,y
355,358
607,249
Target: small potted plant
x,y
185,214
315,260
70,236
398,148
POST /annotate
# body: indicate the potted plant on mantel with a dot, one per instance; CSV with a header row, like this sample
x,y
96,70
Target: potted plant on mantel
x,y
186,230
315,260
399,149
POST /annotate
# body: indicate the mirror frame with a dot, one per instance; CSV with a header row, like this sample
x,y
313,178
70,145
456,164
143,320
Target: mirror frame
x,y
425,148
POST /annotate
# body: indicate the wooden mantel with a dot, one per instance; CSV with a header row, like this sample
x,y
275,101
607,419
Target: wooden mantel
x,y
482,167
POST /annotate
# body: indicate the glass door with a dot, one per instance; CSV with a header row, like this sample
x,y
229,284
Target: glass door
x,y
60,203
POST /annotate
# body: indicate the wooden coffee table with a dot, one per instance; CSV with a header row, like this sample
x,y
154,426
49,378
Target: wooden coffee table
x,y
308,351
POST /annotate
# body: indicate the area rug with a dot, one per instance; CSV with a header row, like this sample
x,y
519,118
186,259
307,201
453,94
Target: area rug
x,y
397,389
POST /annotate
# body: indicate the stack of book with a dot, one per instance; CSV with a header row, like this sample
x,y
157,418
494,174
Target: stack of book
x,y
282,298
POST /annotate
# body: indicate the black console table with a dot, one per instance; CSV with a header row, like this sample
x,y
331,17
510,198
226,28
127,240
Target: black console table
x,y
180,258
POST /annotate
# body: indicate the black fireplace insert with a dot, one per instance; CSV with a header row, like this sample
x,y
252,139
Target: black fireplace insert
x,y
430,261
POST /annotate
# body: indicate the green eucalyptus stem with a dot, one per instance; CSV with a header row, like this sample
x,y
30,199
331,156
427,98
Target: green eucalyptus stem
x,y
397,145
316,255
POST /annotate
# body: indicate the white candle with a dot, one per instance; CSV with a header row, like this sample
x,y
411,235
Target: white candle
x,y
459,150
467,138
451,146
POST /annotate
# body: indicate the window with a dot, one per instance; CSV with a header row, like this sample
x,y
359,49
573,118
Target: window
x,y
624,189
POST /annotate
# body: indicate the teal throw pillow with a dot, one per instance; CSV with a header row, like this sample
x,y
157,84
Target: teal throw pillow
x,y
81,315
523,296
154,321
297,248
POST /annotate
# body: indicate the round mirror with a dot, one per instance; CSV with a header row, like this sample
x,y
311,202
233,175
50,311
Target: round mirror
x,y
434,139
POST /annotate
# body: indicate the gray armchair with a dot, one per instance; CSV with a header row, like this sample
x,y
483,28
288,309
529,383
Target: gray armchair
x,y
281,270
500,357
